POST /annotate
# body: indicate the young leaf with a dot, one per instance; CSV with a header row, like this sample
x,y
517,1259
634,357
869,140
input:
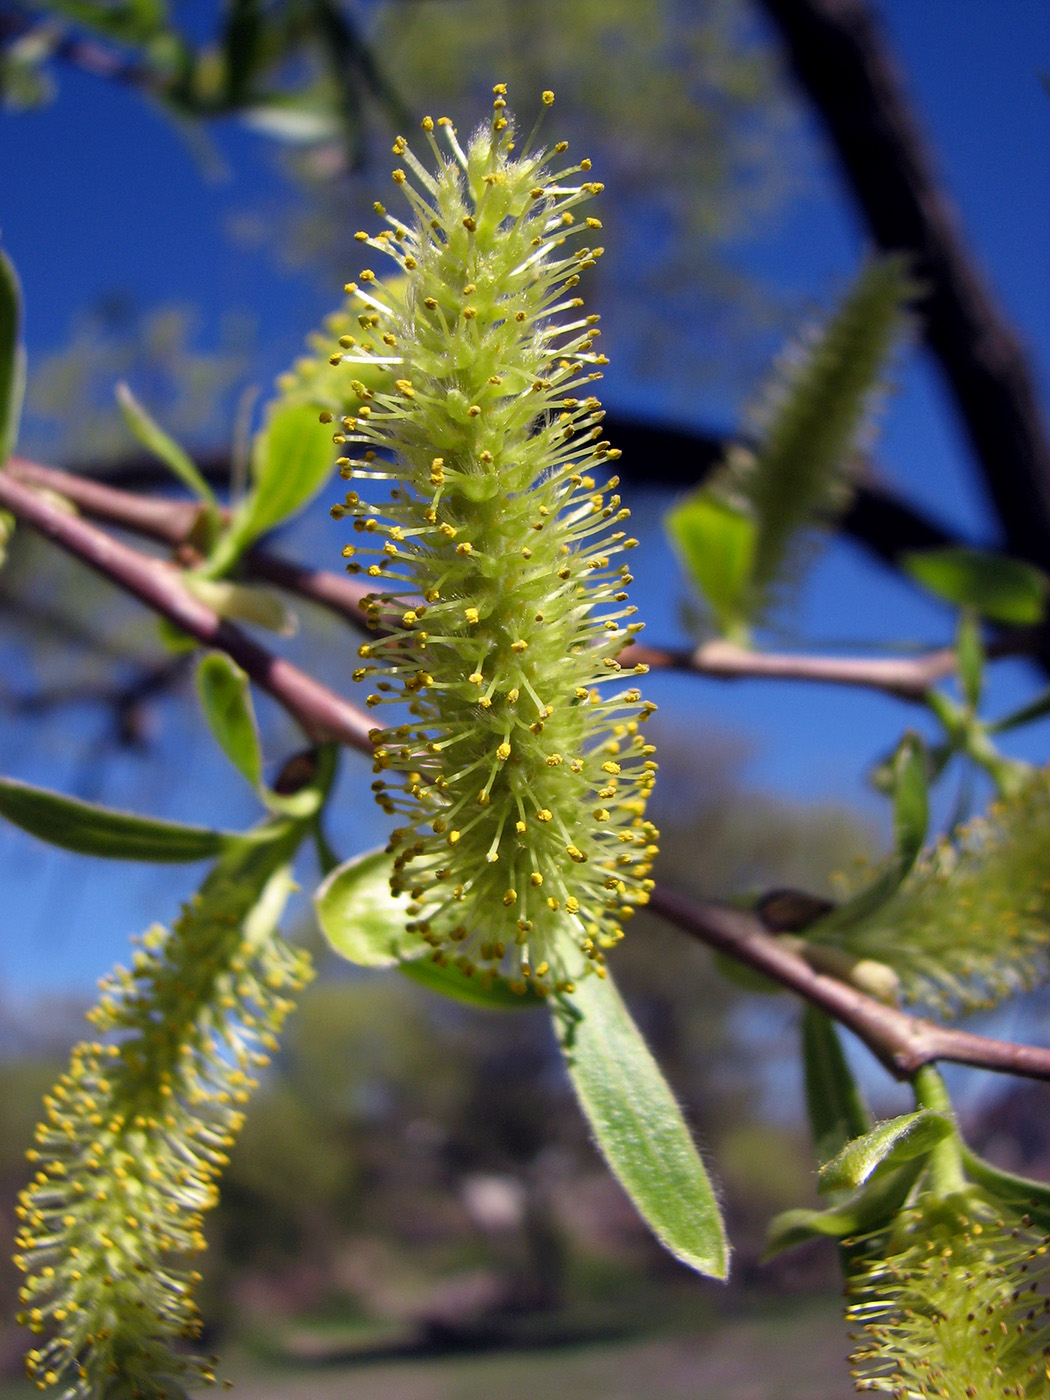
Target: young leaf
x,y
292,458
155,440
638,1125
872,1208
91,830
969,652
359,916
910,768
899,1140
1027,714
1000,589
716,546
226,699
241,602
837,1112
12,358
491,994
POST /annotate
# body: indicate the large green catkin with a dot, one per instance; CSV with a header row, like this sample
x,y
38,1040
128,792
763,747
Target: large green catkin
x,y
952,1304
520,787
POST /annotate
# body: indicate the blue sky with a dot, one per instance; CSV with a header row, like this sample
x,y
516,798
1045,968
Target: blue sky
x,y
90,174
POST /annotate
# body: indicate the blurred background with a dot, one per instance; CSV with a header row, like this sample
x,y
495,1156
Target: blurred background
x,y
414,1208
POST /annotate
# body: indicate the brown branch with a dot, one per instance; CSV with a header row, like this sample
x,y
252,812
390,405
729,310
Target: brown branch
x,y
172,523
323,714
902,1043
842,61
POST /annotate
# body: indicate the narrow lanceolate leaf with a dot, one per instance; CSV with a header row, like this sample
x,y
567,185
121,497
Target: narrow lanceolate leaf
x,y
891,1143
998,588
100,831
12,358
971,924
837,1112
909,775
137,1131
638,1125
155,440
226,699
518,783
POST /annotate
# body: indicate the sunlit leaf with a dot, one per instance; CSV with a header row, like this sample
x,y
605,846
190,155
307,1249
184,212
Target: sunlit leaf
x,y
638,1125
998,588
226,699
155,440
12,358
359,916
899,1140
716,545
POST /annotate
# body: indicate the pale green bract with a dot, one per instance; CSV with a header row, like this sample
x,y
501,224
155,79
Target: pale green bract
x,y
520,788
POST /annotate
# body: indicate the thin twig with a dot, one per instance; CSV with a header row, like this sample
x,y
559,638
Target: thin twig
x,y
901,1042
321,712
172,523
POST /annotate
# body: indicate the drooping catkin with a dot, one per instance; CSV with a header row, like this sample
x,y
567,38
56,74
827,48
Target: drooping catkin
x,y
519,784
136,1133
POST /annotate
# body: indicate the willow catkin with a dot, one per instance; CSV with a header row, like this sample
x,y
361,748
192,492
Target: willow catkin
x,y
520,786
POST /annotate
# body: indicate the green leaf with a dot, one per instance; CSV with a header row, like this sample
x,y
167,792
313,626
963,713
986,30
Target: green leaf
x,y
837,1112
296,123
998,588
889,1145
495,995
871,1209
910,818
226,699
911,810
969,653
292,458
155,440
359,916
716,545
12,358
1027,714
638,1125
100,831
792,1228
241,602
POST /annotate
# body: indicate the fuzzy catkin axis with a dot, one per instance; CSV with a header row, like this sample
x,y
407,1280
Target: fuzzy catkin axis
x,y
519,784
